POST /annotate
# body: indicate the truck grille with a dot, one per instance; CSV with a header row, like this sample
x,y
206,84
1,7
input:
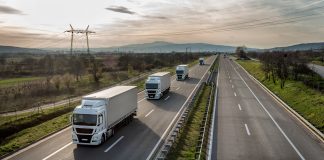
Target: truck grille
x,y
151,92
151,95
84,130
84,138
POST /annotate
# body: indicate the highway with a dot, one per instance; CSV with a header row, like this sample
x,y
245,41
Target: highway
x,y
134,141
250,124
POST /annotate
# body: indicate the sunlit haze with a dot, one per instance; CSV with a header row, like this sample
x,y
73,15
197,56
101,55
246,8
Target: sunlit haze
x,y
254,23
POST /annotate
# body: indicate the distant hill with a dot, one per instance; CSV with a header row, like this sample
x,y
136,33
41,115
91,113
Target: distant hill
x,y
160,46
11,49
300,47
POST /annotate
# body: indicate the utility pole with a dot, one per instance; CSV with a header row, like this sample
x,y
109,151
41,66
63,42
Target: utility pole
x,y
77,31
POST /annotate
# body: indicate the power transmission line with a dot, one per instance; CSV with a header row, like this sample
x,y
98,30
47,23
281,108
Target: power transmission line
x,y
79,31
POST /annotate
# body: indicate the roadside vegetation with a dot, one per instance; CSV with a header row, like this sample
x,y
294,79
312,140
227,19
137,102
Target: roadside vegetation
x,y
32,134
306,99
30,80
185,145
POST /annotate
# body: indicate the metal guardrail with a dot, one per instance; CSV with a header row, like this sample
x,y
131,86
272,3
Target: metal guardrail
x,y
174,133
203,126
180,123
162,153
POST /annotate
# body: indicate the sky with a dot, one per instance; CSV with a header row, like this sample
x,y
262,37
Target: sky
x,y
253,23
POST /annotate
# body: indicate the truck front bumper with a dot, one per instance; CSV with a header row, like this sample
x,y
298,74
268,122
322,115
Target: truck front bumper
x,y
86,139
153,96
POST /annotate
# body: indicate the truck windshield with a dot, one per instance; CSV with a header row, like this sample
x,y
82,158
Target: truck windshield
x,y
179,71
151,86
85,119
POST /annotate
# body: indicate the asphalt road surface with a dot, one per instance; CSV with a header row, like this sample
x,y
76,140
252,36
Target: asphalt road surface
x,y
134,141
250,124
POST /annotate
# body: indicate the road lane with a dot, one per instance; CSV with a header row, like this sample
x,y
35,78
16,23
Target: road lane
x,y
263,129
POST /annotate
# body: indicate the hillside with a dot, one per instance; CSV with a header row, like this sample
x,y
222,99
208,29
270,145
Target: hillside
x,y
159,46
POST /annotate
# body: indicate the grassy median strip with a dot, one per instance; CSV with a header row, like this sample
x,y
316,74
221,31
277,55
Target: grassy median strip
x,y
308,102
185,146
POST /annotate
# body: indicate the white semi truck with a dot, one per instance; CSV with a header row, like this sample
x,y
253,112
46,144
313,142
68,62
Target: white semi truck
x,y
201,61
157,85
101,112
182,72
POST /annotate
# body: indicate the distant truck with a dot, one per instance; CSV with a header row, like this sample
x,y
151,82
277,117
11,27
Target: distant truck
x,y
182,72
201,61
157,85
94,121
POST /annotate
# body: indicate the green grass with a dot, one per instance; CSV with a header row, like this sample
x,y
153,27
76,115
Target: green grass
x,y
15,81
185,145
30,135
28,117
307,102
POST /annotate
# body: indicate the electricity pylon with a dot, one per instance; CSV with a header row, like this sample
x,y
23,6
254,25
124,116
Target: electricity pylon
x,y
80,31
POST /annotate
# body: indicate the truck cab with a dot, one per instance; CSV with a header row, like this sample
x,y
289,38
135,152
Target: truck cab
x,y
88,123
182,72
201,61
153,88
157,85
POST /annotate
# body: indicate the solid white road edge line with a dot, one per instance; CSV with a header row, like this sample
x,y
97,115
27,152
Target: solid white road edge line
x,y
247,129
234,94
149,113
49,156
232,86
273,120
110,147
174,118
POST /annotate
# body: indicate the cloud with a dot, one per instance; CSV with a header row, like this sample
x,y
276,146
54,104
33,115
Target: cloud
x,y
9,10
155,17
120,9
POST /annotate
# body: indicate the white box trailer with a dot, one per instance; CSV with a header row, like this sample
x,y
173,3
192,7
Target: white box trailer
x,y
99,113
157,85
182,72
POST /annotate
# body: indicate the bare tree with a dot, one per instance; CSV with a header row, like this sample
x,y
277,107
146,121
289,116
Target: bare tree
x,y
67,80
56,80
95,69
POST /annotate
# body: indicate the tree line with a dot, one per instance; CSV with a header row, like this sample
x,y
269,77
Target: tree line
x,y
281,66
73,75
